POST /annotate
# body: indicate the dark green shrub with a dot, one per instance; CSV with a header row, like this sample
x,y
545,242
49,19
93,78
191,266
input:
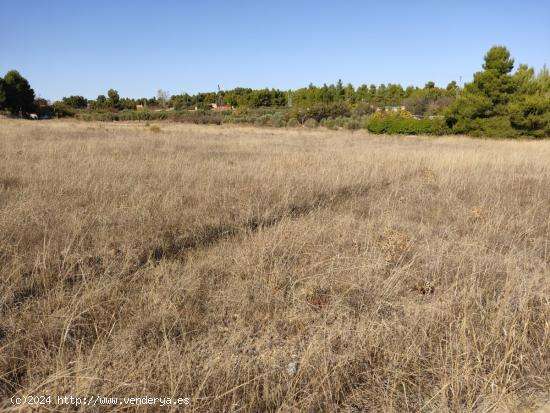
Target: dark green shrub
x,y
531,115
404,123
496,127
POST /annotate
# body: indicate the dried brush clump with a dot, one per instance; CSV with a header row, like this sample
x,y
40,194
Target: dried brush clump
x,y
258,270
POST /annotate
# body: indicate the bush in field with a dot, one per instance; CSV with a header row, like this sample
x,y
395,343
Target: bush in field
x,y
352,124
197,117
340,122
292,123
62,109
404,123
320,112
274,117
263,120
364,108
328,123
278,120
311,123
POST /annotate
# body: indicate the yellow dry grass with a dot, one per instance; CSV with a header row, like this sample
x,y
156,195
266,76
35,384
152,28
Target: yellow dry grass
x,y
258,270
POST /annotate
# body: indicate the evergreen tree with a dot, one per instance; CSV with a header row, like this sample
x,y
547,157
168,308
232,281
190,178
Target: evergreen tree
x,y
16,95
500,103
2,94
495,81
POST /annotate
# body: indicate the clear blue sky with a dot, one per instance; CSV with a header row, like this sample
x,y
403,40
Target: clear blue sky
x,y
86,47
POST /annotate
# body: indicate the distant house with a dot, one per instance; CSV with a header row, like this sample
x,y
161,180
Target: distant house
x,y
393,108
140,107
220,108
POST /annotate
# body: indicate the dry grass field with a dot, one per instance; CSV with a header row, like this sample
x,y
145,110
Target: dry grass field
x,y
263,270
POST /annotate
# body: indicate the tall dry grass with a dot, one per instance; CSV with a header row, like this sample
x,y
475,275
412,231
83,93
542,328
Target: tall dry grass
x,y
270,270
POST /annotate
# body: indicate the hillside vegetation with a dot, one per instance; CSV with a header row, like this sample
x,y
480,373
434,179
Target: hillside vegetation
x,y
287,270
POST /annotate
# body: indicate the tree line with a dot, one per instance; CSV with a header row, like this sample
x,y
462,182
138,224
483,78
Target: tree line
x,y
498,101
427,100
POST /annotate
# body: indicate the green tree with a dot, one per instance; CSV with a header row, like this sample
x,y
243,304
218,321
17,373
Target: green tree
x,y
2,94
101,101
394,94
498,59
542,82
381,98
499,103
524,80
531,115
340,90
17,93
495,81
326,94
349,94
466,107
452,86
76,102
114,98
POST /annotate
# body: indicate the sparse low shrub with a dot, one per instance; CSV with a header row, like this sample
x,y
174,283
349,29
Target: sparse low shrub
x,y
328,123
199,117
340,122
352,124
278,120
363,108
155,128
311,123
292,123
264,120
